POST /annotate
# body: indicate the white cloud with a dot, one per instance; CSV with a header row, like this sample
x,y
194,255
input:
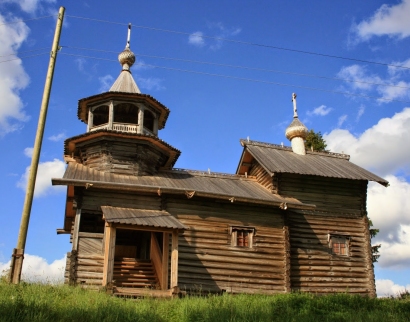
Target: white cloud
x,y
46,171
381,148
358,78
57,137
360,112
393,71
36,269
341,120
150,83
30,6
390,88
322,110
387,20
28,152
13,78
105,83
388,207
388,288
80,62
196,38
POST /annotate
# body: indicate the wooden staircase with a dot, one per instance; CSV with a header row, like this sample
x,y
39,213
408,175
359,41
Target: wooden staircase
x,y
133,273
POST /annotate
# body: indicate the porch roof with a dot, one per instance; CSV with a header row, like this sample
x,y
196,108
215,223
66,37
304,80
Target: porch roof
x,y
141,217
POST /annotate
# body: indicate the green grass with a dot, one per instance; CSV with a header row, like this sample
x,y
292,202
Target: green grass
x,y
39,302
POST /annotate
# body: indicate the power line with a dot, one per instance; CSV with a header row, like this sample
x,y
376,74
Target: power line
x,y
22,52
18,21
249,43
19,58
249,68
248,79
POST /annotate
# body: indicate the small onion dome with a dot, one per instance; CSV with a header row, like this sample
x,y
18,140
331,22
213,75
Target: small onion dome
x,y
126,58
296,129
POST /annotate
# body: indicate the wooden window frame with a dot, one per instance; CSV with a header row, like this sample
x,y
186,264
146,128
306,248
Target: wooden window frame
x,y
339,244
237,231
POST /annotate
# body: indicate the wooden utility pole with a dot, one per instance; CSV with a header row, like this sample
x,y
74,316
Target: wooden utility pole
x,y
18,252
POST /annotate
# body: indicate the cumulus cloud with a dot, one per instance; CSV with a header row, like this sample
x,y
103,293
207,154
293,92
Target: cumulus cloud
x,y
322,110
392,21
45,171
388,288
57,137
30,6
36,269
196,38
13,78
380,148
150,83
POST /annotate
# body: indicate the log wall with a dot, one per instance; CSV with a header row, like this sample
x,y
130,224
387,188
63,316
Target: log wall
x,y
313,266
328,194
208,262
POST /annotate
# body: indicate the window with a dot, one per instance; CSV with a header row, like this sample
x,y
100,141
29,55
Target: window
x,y
339,244
242,236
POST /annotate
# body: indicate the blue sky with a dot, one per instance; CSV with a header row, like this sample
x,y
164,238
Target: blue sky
x,y
261,51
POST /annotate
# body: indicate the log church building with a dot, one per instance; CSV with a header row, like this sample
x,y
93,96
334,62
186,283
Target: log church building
x,y
287,220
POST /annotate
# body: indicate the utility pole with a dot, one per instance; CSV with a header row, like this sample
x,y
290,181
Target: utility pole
x,y
18,252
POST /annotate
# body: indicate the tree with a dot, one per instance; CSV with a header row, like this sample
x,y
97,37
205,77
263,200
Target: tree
x,y
315,142
375,248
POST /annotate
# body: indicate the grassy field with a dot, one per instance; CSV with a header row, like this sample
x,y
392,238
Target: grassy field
x,y
38,302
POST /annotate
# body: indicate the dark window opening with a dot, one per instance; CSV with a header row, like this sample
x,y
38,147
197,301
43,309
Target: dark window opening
x,y
126,113
91,223
149,120
100,115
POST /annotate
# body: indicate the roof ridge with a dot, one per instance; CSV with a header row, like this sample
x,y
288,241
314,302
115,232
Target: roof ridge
x,y
208,173
245,142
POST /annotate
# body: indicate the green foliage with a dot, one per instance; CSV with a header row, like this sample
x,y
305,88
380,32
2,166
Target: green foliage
x,y
39,302
375,248
314,141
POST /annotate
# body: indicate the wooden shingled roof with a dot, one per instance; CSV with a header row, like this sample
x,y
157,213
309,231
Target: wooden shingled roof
x,y
278,159
141,217
234,188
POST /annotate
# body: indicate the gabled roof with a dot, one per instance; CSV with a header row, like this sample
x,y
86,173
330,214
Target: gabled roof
x,y
234,188
278,159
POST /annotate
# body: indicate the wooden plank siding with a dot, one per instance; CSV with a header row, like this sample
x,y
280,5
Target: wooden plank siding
x,y
328,194
313,266
208,262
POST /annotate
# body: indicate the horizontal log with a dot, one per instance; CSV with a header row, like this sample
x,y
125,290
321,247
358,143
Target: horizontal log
x,y
326,268
298,274
231,279
241,252
91,235
329,279
323,290
230,272
225,285
189,263
327,263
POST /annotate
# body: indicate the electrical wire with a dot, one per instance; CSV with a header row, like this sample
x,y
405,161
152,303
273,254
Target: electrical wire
x,y
247,43
19,58
247,68
248,79
18,21
22,52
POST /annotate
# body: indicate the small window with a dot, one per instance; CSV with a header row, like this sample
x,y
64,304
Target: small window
x,y
339,244
242,236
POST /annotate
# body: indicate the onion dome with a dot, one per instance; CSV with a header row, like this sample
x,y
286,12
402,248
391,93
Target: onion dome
x,y
296,131
126,58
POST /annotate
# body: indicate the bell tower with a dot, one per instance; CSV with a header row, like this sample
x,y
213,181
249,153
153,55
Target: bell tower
x,y
122,128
